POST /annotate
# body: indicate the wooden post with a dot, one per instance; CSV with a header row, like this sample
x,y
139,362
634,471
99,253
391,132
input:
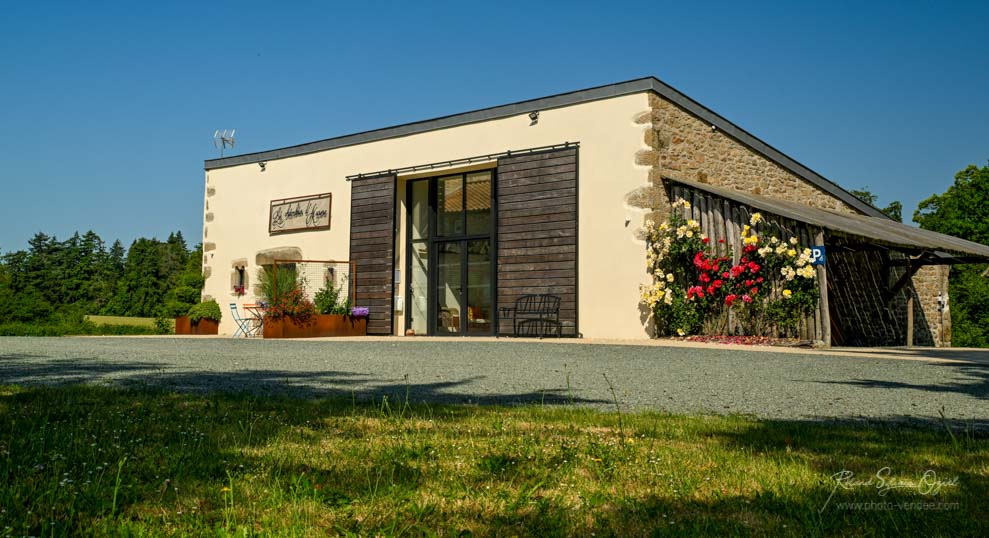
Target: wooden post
x,y
824,311
908,285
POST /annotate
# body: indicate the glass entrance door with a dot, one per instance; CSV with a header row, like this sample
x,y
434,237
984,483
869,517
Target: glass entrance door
x,y
450,251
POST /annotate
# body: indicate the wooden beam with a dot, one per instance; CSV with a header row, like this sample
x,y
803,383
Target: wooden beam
x,y
910,318
824,310
912,269
938,260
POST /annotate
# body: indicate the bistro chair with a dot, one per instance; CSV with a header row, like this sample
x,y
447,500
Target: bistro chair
x,y
243,324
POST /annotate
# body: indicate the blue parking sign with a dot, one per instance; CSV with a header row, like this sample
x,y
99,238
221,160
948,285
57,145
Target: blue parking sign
x,y
817,255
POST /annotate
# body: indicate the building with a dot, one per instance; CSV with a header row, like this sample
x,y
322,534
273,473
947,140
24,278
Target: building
x,y
556,191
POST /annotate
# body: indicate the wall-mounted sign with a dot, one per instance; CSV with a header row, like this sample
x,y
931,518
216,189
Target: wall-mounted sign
x,y
301,214
818,256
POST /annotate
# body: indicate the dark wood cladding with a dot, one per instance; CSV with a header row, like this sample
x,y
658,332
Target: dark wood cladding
x,y
372,248
537,231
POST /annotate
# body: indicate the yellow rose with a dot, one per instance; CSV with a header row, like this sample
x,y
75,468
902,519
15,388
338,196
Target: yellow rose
x,y
787,293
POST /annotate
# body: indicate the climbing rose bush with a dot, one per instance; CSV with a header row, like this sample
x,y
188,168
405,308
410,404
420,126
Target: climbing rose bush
x,y
694,290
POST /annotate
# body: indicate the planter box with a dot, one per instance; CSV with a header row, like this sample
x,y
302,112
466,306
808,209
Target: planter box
x,y
325,325
204,327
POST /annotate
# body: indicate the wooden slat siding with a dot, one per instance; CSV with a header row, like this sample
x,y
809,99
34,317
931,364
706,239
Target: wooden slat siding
x,y
537,231
719,228
372,248
808,319
724,219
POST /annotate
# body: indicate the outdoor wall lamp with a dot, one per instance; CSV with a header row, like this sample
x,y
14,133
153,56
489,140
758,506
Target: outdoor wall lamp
x,y
263,164
534,116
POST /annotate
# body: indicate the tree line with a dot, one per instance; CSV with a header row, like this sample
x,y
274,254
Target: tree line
x,y
55,281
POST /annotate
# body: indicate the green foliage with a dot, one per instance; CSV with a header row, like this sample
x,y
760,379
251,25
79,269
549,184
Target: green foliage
x,y
963,211
272,285
894,210
284,295
69,328
164,325
205,310
54,279
329,301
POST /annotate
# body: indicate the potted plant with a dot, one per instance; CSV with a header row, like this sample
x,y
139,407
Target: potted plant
x,y
202,319
335,317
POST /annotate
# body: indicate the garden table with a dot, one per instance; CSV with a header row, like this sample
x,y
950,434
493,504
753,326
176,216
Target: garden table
x,y
256,312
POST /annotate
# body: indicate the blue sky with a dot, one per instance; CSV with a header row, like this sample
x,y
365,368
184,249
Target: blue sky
x,y
109,109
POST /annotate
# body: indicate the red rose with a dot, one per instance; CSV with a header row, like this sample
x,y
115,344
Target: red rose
x,y
705,278
759,280
754,291
710,290
746,298
706,240
725,275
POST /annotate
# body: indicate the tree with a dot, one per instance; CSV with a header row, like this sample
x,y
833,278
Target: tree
x,y
63,280
963,211
894,210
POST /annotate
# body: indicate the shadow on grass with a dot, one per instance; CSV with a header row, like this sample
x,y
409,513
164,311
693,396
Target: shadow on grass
x,y
108,460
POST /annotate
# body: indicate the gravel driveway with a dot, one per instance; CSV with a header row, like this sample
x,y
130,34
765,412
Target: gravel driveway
x,y
672,379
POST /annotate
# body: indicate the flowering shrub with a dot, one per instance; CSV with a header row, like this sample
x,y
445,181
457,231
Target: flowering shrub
x,y
294,305
694,289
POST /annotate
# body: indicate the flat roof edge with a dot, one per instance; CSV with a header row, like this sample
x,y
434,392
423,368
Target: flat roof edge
x,y
443,122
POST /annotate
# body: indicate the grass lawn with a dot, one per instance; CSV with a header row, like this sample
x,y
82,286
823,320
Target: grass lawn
x,y
122,320
89,460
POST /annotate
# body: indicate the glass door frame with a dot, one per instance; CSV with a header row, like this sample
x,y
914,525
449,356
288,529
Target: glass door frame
x,y
431,265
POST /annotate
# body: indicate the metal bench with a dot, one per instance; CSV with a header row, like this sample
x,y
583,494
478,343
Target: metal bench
x,y
534,315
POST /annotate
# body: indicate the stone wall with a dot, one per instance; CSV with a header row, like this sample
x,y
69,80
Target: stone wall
x,y
929,282
678,145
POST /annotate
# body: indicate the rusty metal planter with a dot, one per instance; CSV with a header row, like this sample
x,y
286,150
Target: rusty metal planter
x,y
326,325
183,325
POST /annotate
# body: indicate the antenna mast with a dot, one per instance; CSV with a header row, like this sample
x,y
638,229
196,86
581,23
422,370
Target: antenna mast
x,y
224,139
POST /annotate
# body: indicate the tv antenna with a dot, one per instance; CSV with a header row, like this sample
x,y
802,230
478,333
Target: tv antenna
x,y
224,139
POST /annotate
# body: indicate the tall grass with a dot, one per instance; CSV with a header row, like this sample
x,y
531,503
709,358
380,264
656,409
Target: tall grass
x,y
272,285
90,460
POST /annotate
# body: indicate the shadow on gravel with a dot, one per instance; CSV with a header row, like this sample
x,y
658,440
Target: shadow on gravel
x,y
20,370
971,380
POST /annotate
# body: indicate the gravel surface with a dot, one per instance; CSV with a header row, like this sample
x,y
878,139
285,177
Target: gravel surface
x,y
670,379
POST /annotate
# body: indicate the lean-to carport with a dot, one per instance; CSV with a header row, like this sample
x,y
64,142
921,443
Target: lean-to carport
x,y
873,262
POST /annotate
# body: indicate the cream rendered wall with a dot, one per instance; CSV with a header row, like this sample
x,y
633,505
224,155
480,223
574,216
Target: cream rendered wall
x,y
611,260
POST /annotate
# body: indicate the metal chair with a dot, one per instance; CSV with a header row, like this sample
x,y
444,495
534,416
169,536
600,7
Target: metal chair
x,y
243,329
535,315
